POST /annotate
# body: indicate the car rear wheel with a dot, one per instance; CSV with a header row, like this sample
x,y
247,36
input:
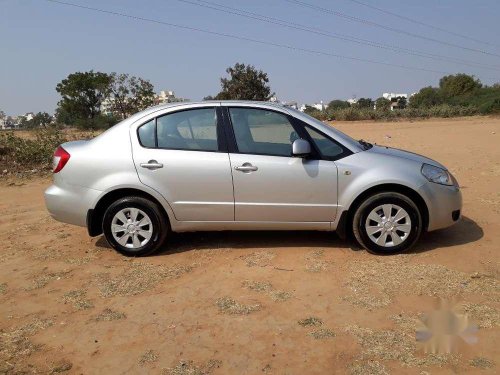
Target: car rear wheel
x,y
134,226
387,223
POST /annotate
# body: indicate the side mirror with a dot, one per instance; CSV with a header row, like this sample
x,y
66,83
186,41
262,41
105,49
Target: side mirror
x,y
301,148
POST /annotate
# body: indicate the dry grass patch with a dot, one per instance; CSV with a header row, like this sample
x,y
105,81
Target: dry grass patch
x,y
481,362
319,333
396,345
280,295
109,315
266,287
3,288
374,283
78,299
484,316
190,368
61,366
138,278
315,263
16,343
44,278
311,322
322,333
259,258
367,368
258,286
149,357
227,305
80,261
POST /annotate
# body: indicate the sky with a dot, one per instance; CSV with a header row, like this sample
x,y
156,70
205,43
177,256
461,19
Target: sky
x,y
41,42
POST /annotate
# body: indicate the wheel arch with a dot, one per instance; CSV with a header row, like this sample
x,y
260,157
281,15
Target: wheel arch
x,y
389,187
96,215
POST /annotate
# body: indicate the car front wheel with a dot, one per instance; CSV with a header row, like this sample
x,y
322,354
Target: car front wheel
x,y
134,226
387,223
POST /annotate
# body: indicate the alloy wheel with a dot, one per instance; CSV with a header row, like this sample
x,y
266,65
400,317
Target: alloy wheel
x,y
132,228
388,225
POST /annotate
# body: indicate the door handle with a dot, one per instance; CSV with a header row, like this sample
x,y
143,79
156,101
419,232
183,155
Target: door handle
x,y
246,167
152,165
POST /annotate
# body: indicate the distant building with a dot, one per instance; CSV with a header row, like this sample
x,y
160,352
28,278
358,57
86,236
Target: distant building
x,y
167,96
319,106
352,101
10,122
396,99
291,104
108,107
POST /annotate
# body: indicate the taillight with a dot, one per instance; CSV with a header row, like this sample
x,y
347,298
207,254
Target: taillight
x,y
61,157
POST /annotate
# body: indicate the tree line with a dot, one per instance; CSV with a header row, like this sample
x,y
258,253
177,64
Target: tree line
x,y
456,95
84,95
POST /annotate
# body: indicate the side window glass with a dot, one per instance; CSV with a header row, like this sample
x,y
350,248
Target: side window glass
x,y
194,129
147,134
264,132
326,146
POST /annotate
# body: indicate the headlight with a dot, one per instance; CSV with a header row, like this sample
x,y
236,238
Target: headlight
x,y
437,175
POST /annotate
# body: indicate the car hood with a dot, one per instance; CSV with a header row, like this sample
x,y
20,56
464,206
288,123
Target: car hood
x,y
384,150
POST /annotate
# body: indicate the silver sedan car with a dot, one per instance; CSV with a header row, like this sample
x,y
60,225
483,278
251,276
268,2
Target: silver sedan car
x,y
235,165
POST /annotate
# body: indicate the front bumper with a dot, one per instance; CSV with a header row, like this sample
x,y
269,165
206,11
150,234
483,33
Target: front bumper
x,y
70,203
444,204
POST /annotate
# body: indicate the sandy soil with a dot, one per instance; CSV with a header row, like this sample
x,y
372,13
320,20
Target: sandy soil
x,y
263,302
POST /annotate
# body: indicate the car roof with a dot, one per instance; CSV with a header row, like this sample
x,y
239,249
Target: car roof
x,y
219,102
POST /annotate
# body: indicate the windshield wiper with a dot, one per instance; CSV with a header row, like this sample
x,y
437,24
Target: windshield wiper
x,y
366,145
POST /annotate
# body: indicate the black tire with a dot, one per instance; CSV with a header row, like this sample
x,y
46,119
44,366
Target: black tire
x,y
160,227
371,203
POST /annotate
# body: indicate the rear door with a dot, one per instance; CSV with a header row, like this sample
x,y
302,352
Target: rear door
x,y
270,184
183,156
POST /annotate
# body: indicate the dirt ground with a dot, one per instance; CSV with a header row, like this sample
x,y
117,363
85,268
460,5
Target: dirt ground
x,y
256,302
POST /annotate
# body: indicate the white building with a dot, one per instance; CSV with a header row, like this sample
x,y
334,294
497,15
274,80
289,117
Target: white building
x,y
107,106
352,101
167,96
291,104
319,106
394,98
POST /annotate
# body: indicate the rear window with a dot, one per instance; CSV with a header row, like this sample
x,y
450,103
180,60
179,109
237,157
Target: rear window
x,y
147,134
194,129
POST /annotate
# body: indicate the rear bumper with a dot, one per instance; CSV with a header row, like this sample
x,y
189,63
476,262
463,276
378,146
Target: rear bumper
x,y
444,204
70,203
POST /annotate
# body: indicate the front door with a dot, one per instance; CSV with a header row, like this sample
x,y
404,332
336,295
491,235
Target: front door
x,y
270,184
180,155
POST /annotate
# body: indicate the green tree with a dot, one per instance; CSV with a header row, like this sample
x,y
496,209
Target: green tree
x,y
426,97
129,94
382,104
458,84
401,102
364,103
39,120
81,97
337,104
208,97
245,82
